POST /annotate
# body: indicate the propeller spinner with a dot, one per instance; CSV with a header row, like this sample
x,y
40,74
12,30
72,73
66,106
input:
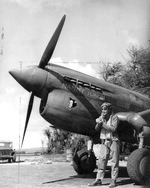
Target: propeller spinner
x,y
43,62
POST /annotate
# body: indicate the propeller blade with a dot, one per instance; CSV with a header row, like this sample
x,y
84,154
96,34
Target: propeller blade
x,y
51,45
30,105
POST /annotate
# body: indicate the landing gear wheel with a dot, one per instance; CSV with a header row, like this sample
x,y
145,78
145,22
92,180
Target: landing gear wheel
x,y
138,166
82,163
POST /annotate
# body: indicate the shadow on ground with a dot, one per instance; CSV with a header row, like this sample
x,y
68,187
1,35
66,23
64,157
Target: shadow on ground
x,y
122,174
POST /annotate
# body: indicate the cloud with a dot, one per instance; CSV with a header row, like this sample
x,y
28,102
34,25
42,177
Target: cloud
x,y
56,60
129,39
86,68
133,41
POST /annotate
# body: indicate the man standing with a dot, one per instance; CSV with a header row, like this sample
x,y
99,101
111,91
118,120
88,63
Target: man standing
x,y
107,124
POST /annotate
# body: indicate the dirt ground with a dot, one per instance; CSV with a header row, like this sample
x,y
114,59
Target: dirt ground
x,y
54,171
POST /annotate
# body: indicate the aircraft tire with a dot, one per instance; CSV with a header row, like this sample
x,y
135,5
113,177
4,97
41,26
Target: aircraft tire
x,y
82,163
138,166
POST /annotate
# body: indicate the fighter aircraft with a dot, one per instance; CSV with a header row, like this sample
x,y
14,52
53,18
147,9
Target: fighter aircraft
x,y
71,100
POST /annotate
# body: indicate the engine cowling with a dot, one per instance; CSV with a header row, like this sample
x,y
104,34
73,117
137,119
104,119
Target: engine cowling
x,y
66,111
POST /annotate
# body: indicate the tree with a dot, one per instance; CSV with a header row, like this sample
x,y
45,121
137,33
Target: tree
x,y
59,140
47,132
140,65
112,72
134,75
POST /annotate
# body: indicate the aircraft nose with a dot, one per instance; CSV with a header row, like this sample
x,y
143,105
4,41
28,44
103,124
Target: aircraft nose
x,y
31,78
15,74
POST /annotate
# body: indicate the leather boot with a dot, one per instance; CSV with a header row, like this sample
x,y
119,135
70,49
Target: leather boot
x,y
112,184
95,183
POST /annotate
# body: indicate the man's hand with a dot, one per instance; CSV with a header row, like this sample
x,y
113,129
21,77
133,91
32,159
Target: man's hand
x,y
98,126
99,120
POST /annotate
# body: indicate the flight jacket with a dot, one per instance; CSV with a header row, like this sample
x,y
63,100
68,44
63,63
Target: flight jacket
x,y
108,128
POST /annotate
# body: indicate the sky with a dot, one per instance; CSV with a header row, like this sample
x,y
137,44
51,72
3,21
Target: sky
x,y
94,31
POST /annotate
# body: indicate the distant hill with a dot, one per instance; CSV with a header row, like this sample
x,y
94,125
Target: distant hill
x,y
31,150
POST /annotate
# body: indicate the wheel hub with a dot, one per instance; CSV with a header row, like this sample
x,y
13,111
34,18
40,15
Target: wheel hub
x,y
145,166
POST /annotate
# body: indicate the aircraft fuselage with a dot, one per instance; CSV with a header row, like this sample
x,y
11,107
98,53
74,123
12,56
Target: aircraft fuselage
x,y
71,100
64,85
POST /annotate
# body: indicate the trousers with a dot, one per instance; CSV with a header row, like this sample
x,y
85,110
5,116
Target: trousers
x,y
114,150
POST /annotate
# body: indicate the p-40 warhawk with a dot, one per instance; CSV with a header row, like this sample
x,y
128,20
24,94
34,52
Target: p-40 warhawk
x,y
71,101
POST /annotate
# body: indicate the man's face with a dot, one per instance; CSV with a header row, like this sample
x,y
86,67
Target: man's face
x,y
105,111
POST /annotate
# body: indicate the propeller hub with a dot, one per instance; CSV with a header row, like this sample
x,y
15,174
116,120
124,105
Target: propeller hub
x,y
33,79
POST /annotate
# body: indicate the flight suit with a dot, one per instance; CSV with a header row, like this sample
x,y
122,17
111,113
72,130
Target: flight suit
x,y
109,138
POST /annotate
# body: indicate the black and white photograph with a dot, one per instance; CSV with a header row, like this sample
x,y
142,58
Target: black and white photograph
x,y
74,93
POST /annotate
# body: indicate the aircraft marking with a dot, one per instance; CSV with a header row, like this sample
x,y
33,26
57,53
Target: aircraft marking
x,y
84,91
